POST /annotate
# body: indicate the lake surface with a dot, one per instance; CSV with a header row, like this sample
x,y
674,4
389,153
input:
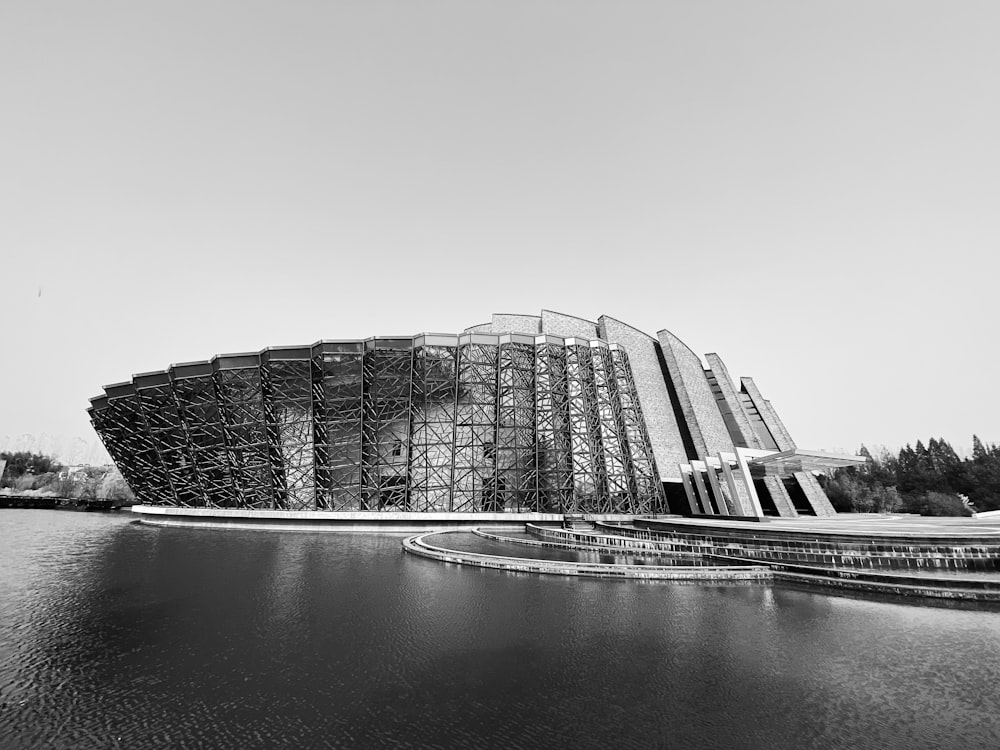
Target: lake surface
x,y
114,634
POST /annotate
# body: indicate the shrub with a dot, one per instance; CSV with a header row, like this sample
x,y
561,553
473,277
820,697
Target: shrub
x,y
937,504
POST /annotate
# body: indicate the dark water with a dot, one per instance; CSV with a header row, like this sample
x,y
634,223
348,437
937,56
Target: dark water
x,y
119,635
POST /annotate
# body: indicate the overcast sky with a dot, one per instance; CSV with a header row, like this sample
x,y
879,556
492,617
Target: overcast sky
x,y
810,189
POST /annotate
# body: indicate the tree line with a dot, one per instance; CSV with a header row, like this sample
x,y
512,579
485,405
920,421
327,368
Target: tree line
x,y
38,474
930,479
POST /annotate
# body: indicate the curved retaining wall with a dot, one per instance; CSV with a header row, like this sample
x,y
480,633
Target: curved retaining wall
x,y
417,545
684,559
840,550
950,587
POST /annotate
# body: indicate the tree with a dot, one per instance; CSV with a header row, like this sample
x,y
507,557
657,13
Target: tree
x,y
20,463
923,479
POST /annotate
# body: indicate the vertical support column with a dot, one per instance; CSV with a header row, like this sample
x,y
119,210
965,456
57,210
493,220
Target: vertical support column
x,y
721,502
779,494
516,474
744,471
688,483
552,427
590,486
727,473
619,472
699,484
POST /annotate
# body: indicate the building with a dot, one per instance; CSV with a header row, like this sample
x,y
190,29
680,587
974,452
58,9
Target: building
x,y
524,414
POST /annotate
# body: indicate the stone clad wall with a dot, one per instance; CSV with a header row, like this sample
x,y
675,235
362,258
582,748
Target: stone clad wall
x,y
664,434
814,493
506,323
701,411
480,328
721,373
770,417
568,326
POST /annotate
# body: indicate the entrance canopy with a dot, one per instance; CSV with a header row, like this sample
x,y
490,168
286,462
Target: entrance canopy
x,y
787,463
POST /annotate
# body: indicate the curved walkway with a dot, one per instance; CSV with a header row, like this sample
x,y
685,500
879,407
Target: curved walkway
x,y
418,545
692,566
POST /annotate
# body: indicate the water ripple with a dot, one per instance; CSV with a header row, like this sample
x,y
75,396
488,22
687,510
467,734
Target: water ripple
x,y
114,634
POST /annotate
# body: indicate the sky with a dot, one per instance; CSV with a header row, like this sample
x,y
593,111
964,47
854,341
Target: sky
x,y
809,189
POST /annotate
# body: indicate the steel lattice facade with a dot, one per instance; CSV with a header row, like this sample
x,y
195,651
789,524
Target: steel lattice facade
x,y
477,422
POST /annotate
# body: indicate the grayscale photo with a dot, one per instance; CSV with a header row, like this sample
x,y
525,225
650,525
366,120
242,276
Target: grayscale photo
x,y
499,375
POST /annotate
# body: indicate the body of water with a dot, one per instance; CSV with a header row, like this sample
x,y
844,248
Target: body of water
x,y
114,634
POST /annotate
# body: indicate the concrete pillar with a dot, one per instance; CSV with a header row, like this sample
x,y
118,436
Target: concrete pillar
x,y
727,473
814,493
744,472
720,500
699,484
782,500
689,489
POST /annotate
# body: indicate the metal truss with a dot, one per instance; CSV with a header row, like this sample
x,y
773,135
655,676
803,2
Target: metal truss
x,y
590,482
286,384
166,430
194,393
649,489
337,382
621,496
121,431
470,423
432,426
241,405
474,476
387,374
517,474
554,446
145,458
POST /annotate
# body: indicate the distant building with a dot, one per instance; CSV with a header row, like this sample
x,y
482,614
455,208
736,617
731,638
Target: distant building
x,y
547,413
